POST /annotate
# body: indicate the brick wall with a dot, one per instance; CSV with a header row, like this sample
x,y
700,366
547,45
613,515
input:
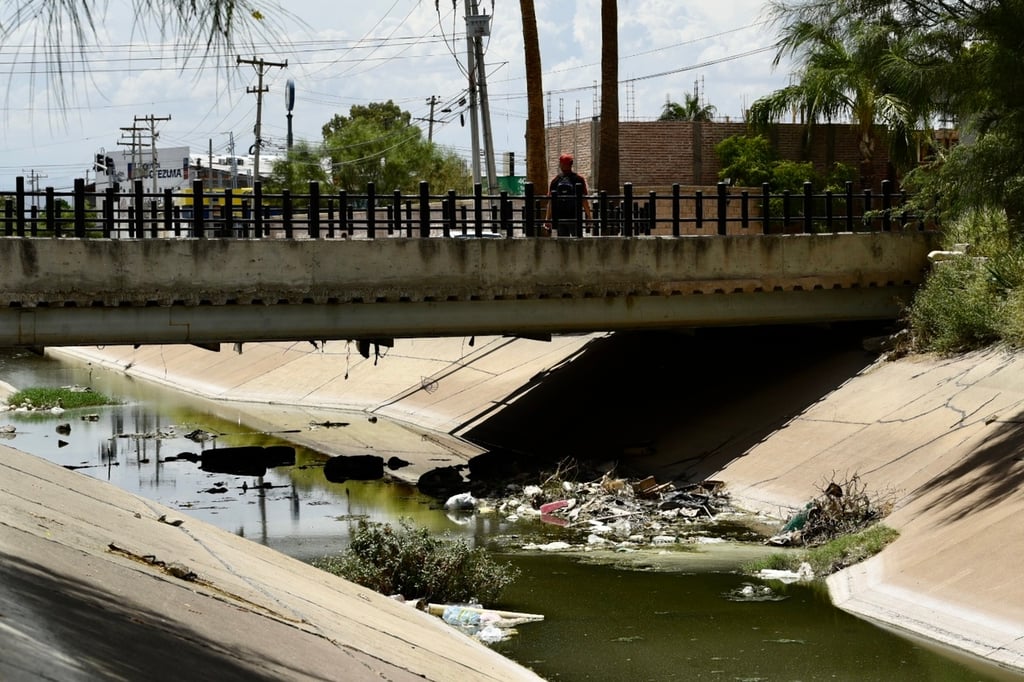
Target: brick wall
x,y
662,153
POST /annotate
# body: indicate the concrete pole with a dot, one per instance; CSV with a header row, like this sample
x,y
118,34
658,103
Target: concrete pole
x,y
485,112
471,68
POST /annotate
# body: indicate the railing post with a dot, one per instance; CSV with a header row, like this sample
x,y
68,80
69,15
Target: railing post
x,y
109,201
139,203
676,231
176,220
330,218
286,214
602,212
886,205
744,210
343,225
808,208
395,226
829,212
505,213
313,212
154,218
168,212
865,220
529,211
257,210
698,209
424,209
198,204
766,208
229,213
849,206
19,205
723,209
627,209
371,210
449,226
478,210
652,213
51,213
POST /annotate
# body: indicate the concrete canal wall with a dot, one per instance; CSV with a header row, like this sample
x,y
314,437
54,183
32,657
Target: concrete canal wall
x,y
942,436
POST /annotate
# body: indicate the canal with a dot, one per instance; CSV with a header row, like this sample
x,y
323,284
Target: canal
x,y
653,617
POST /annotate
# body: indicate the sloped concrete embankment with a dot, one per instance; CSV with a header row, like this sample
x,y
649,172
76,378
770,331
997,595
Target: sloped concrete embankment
x,y
775,414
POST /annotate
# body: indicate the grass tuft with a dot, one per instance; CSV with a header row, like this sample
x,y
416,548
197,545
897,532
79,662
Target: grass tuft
x,y
831,556
47,398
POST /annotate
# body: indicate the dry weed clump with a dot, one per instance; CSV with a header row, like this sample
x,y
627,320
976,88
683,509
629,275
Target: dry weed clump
x,y
840,509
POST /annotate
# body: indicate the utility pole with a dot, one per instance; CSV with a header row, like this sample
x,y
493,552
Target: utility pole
x,y
478,26
151,120
33,183
474,130
234,160
261,67
430,121
136,149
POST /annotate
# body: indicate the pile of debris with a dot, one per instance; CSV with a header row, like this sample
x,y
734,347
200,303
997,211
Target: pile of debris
x,y
614,511
840,509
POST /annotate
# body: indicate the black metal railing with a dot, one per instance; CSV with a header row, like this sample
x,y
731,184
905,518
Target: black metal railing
x,y
200,212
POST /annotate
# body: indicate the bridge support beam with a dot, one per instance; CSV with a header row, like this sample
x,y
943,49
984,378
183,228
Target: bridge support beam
x,y
212,324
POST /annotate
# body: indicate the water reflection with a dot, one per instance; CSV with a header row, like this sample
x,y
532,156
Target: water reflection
x,y
601,622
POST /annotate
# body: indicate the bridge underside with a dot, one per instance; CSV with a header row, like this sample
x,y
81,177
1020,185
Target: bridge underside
x,y
210,324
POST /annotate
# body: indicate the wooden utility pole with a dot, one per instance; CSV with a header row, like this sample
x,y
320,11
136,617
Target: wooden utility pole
x,y
261,67
151,120
430,121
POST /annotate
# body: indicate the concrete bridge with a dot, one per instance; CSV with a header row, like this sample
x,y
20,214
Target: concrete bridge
x,y
61,292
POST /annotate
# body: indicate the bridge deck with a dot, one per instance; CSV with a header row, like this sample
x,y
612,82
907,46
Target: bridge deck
x,y
75,292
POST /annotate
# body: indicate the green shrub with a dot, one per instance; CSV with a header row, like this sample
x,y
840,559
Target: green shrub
x,y
410,562
976,299
46,398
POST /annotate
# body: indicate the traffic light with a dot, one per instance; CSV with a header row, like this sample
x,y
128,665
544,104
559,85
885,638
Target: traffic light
x,y
99,165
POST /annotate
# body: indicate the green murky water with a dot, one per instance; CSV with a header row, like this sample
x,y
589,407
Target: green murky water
x,y
602,621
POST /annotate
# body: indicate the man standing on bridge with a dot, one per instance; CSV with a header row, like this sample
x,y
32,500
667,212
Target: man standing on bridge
x,y
565,207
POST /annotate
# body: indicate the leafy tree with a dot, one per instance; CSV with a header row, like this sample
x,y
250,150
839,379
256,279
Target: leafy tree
x,y
690,110
791,175
387,115
302,165
961,60
746,160
850,67
377,143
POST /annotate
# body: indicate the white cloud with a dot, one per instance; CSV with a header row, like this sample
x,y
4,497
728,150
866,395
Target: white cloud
x,y
345,52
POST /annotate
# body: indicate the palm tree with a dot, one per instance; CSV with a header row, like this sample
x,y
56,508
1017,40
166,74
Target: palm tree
x,y
209,29
848,70
690,110
608,147
536,135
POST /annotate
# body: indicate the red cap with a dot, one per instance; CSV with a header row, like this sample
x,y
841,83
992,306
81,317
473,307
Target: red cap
x,y
565,159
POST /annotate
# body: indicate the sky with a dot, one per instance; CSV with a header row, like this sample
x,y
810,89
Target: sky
x,y
340,53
